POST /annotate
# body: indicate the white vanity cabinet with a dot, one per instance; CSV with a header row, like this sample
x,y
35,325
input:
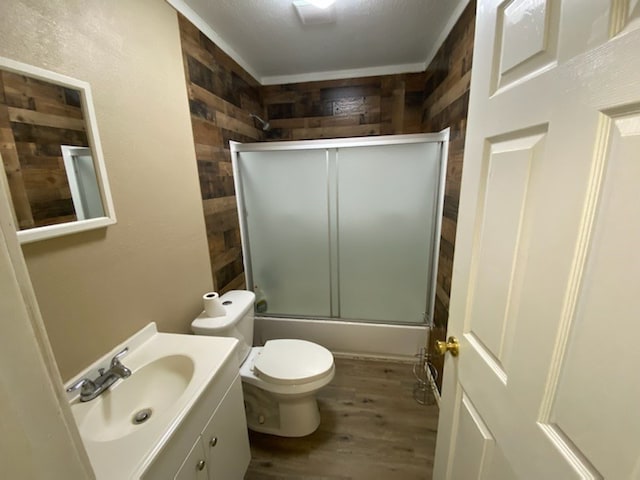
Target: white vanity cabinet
x,y
189,389
212,442
222,450
194,466
225,438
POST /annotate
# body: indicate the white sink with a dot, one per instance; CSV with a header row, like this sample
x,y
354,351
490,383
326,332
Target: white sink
x,y
148,392
169,374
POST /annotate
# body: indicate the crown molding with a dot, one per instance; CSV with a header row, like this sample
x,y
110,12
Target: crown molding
x,y
193,17
457,13
212,35
340,74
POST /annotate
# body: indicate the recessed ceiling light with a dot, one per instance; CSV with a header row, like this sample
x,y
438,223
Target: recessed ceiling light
x,y
321,3
314,12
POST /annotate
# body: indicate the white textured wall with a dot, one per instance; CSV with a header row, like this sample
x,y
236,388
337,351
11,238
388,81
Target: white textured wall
x,y
97,288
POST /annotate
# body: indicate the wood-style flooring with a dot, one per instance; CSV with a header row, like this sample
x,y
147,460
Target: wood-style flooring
x,y
371,428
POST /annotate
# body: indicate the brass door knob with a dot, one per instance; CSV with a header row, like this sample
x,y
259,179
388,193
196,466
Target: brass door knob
x,y
451,345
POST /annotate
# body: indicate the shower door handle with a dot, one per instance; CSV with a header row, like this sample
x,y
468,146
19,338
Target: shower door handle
x,y
451,345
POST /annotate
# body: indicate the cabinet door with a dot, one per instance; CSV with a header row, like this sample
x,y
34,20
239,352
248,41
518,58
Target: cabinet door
x,y
226,439
195,465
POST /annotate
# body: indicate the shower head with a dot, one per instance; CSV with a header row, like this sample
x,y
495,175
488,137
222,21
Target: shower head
x,y
265,125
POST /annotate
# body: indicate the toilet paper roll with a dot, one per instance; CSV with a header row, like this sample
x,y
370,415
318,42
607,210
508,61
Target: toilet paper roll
x,y
212,305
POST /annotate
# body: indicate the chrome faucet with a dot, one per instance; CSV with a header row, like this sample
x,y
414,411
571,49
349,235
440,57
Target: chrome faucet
x,y
90,389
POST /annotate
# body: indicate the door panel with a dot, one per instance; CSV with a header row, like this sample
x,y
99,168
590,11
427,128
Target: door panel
x,y
526,39
592,425
476,440
546,260
498,467
495,287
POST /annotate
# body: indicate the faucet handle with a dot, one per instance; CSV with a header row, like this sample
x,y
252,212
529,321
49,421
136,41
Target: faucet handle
x,y
116,358
85,384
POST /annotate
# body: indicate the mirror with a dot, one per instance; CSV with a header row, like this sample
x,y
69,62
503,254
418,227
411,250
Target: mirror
x,y
51,153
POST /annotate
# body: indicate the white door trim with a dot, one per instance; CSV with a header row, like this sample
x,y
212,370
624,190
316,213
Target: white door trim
x,y
45,419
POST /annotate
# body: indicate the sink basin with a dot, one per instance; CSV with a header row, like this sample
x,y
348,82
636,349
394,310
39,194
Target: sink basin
x,y
149,391
170,372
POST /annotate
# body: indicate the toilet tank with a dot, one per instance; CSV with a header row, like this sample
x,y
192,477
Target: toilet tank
x,y
238,321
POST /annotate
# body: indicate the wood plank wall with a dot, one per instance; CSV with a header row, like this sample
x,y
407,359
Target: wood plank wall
x,y
446,104
221,97
393,104
379,105
36,117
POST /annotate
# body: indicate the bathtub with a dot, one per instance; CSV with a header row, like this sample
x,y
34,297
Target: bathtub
x,y
355,339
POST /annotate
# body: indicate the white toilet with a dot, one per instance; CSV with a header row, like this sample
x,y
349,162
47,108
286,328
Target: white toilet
x,y
279,380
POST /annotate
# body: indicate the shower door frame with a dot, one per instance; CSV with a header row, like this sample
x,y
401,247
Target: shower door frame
x,y
441,137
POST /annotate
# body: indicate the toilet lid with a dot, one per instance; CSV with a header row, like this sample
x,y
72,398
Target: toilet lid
x,y
293,361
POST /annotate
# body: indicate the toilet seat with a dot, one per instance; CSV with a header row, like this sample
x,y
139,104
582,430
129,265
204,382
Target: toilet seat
x,y
288,362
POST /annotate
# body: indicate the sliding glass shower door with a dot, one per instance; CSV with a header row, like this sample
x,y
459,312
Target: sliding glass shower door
x,y
386,220
344,229
287,218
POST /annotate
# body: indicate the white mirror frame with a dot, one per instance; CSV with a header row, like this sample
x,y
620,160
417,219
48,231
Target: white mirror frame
x,y
109,218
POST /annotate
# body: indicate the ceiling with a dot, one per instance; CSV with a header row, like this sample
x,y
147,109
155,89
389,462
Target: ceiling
x,y
369,37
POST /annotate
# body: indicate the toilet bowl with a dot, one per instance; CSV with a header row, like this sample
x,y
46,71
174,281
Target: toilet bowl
x,y
279,379
276,373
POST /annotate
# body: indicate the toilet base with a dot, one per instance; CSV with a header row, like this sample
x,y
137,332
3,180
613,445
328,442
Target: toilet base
x,y
280,415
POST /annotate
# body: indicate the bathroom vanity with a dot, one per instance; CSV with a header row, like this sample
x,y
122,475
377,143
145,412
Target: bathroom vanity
x,y
180,415
216,448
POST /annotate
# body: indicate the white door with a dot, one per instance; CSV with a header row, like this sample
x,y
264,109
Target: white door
x,y
546,285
